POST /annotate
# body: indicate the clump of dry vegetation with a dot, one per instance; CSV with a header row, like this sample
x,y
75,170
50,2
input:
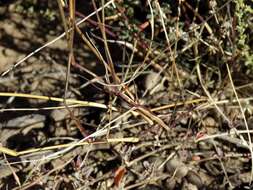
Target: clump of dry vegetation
x,y
135,94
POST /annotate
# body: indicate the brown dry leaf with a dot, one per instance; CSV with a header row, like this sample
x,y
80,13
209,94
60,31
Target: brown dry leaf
x,y
119,174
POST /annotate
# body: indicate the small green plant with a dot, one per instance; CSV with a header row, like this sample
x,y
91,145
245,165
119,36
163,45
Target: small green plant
x,y
244,15
33,8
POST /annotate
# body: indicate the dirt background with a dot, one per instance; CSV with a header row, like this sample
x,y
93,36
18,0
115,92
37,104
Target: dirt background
x,y
201,149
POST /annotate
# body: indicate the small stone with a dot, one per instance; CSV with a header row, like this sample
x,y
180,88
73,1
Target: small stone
x,y
194,179
189,186
170,183
152,80
175,165
210,122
